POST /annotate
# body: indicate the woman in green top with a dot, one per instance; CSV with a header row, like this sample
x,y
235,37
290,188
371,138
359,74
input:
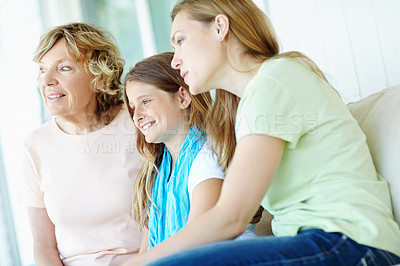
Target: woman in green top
x,y
299,151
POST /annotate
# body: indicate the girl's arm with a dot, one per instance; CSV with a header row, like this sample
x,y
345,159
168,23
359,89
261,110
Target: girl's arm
x,y
204,196
44,239
145,241
253,167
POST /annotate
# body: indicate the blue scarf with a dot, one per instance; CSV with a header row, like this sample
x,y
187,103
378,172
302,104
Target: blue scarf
x,y
170,191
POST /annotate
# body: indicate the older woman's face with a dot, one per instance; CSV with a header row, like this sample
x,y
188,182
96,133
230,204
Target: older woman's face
x,y
65,85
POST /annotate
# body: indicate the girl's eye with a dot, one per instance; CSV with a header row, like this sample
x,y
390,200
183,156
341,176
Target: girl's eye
x,y
42,70
179,41
146,101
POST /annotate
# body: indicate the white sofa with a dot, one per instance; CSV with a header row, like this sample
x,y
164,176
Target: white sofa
x,y
379,117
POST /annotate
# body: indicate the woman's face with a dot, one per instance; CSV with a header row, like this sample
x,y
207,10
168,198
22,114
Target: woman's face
x,y
65,85
158,115
197,53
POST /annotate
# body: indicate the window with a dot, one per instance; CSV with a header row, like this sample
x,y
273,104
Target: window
x,y
9,254
20,29
120,19
141,28
161,21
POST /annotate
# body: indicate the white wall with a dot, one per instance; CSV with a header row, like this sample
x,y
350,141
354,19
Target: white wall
x,y
355,42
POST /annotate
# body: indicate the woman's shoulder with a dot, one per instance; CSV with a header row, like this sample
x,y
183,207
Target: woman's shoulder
x,y
283,67
121,124
42,132
124,121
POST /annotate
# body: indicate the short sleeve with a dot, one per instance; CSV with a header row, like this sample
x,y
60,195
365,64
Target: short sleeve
x,y
31,194
205,166
269,108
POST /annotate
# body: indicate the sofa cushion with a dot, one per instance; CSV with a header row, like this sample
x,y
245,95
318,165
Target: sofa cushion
x,y
379,117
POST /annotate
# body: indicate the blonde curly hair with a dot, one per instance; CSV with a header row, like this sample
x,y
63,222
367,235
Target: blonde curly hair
x,y
100,55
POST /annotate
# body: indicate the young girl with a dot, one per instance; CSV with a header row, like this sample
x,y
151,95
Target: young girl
x,y
181,177
299,152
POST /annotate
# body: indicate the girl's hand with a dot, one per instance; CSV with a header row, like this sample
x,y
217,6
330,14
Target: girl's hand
x,y
139,259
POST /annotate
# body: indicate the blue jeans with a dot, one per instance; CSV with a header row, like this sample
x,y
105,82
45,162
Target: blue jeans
x,y
310,247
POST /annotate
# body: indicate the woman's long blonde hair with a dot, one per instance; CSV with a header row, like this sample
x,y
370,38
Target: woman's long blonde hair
x,y
157,71
255,33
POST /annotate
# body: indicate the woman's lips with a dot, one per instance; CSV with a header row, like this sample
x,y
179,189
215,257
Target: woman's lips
x,y
184,75
53,97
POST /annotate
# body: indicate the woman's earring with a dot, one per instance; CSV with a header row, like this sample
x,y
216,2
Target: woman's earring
x,y
219,38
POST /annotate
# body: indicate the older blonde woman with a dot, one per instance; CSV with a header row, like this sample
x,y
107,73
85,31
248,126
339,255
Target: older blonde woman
x,y
81,166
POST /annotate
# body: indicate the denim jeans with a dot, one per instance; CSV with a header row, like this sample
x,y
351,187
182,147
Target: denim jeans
x,y
310,247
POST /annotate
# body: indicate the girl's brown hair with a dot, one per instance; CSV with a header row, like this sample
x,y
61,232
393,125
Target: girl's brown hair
x,y
157,71
100,55
255,33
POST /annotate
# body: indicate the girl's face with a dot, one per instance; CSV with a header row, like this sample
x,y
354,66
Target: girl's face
x,y
161,116
64,84
197,52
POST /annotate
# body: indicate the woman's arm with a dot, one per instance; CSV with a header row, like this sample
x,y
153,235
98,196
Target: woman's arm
x,y
44,239
253,167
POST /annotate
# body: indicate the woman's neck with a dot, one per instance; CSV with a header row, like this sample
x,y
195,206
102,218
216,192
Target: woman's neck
x,y
238,68
236,81
85,123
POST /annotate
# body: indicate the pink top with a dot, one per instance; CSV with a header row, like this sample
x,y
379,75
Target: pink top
x,y
86,182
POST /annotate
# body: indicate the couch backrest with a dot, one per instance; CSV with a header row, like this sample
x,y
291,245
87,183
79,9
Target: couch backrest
x,y
379,117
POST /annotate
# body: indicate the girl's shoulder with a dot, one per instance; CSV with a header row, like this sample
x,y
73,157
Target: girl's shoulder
x,y
205,166
205,156
206,162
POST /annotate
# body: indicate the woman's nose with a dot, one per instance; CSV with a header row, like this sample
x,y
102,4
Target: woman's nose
x,y
47,79
176,62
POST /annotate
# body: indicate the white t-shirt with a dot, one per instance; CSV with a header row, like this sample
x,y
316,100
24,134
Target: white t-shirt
x,y
205,166
85,182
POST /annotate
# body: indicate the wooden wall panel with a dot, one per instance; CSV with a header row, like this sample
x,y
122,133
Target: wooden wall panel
x,y
340,68
365,45
356,43
386,14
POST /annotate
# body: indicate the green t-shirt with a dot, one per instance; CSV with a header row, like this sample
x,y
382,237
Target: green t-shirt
x,y
326,178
